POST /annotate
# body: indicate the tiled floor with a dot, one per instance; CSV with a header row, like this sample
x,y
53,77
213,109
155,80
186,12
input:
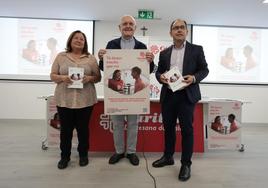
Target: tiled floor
x,y
23,164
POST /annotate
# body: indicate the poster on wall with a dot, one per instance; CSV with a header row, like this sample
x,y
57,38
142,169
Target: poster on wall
x,y
126,82
224,125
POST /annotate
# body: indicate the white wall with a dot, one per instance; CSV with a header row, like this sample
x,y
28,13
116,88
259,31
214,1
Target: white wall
x,y
19,100
254,97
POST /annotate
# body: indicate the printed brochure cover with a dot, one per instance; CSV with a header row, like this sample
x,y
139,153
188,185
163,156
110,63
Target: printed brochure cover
x,y
76,74
175,78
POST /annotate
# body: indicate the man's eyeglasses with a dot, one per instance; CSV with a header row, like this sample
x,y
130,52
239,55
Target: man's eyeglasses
x,y
182,27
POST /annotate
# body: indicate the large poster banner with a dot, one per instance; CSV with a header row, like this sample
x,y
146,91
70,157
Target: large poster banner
x,y
224,125
150,132
126,82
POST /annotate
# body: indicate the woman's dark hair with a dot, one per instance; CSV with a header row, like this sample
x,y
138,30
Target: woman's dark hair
x,y
69,47
30,43
114,73
216,118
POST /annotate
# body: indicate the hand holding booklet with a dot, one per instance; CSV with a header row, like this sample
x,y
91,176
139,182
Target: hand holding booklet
x,y
76,74
175,79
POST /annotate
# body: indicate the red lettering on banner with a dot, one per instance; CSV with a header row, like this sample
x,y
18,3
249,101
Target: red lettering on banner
x,y
114,58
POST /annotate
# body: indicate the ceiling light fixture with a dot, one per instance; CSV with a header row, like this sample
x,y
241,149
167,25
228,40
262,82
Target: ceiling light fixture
x,y
265,1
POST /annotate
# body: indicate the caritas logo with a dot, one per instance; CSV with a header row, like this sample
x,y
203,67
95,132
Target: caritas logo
x,y
142,56
58,27
237,106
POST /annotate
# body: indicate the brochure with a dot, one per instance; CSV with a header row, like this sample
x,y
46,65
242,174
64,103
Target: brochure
x,y
76,74
175,79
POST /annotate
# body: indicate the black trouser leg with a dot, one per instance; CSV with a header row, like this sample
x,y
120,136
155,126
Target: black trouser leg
x,y
82,127
177,106
66,130
169,120
187,141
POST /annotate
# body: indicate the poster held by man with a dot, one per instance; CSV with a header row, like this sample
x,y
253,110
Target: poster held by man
x,y
126,82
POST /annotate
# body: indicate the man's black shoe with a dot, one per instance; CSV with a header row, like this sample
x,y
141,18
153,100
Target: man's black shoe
x,y
115,158
163,161
133,159
83,161
185,173
63,163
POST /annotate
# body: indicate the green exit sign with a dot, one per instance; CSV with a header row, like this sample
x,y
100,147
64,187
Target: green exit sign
x,y
146,14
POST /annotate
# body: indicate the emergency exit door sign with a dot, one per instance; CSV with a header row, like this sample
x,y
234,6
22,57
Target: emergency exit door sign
x,y
146,14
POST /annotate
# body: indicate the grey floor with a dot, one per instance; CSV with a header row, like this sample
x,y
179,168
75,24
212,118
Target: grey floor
x,y
23,164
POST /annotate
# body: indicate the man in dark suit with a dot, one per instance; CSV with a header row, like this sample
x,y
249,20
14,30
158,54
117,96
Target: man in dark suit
x,y
180,104
127,40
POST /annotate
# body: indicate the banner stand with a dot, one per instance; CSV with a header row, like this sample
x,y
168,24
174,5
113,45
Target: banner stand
x,y
223,124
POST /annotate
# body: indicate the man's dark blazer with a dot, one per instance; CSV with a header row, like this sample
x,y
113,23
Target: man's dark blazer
x,y
116,44
194,63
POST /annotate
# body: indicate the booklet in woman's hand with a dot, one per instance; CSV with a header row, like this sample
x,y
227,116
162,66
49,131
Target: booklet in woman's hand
x,y
76,74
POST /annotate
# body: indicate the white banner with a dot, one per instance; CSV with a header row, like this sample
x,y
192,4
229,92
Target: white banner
x,y
224,125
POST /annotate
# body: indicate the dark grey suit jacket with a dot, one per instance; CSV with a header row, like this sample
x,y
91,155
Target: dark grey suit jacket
x,y
194,63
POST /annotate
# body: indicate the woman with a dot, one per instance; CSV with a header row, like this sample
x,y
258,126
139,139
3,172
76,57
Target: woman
x,y
116,83
75,105
216,125
228,59
30,53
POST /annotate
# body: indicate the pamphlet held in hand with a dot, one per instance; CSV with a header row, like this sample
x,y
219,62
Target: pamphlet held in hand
x,y
76,74
175,78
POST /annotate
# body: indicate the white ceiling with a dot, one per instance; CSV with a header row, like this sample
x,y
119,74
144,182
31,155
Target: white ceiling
x,y
209,12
